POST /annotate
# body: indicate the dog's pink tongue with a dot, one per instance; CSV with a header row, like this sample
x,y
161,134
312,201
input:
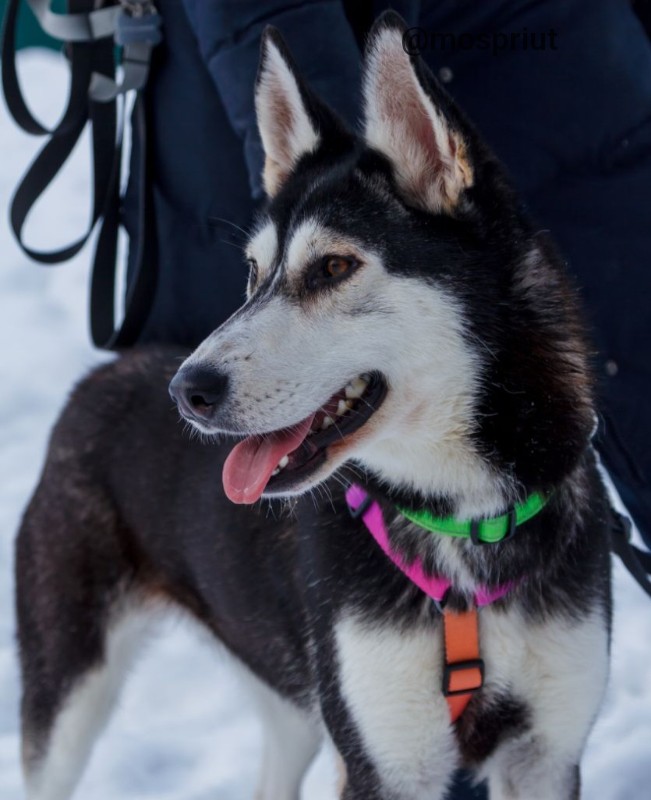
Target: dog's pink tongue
x,y
250,463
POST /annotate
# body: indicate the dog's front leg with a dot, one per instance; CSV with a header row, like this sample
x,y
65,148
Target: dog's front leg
x,y
560,667
385,713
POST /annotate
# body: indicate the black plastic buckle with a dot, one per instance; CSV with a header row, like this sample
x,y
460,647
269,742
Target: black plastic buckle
x,y
362,508
459,666
475,527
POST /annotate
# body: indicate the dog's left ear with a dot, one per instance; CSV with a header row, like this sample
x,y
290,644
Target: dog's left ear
x,y
286,128
412,121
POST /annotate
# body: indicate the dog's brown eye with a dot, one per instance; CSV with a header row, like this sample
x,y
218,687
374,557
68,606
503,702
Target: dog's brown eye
x,y
329,271
338,266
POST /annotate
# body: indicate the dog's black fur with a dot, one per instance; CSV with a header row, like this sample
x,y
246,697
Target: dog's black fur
x,y
128,503
130,506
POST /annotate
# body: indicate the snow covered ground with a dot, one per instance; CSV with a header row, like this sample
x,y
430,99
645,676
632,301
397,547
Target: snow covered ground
x,y
184,729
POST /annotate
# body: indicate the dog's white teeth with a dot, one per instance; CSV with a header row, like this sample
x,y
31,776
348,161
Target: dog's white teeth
x,y
343,406
356,388
327,422
284,461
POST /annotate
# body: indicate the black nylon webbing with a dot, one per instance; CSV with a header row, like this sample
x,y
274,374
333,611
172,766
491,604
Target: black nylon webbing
x,y
636,561
88,59
85,59
75,111
142,284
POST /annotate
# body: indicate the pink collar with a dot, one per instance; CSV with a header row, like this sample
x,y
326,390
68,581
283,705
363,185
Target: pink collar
x,y
436,587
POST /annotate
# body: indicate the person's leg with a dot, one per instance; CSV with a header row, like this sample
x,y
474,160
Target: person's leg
x,y
202,205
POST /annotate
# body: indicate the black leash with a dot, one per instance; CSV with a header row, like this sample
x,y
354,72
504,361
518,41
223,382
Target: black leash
x,y
89,35
636,561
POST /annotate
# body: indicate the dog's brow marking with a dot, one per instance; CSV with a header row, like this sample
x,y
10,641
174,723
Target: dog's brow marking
x,y
307,240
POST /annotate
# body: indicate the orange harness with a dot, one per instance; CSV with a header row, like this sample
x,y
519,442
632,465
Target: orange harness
x,y
463,669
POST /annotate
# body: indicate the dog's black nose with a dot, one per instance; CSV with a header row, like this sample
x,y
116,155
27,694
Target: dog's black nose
x,y
198,391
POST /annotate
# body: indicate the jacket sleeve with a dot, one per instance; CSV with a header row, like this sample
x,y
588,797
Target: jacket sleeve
x,y
319,36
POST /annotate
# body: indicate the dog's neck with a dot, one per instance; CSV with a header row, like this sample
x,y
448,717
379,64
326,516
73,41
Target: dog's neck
x,y
446,477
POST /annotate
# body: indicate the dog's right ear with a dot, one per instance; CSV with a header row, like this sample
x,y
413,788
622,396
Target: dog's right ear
x,y
413,122
292,121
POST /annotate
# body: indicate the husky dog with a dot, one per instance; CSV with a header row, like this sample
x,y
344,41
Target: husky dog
x,y
406,329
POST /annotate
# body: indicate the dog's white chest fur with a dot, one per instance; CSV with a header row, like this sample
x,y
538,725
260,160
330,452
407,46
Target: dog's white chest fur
x,y
391,682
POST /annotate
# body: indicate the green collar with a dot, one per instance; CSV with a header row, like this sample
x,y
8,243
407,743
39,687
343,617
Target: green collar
x,y
483,531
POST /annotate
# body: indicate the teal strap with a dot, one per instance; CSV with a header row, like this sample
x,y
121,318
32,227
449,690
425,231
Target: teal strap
x,y
85,26
487,531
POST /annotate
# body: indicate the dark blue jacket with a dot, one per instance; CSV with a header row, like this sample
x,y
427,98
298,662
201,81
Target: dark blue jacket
x,y
572,124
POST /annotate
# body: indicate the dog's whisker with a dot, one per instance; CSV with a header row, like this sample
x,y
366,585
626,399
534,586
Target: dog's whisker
x,y
232,224
232,244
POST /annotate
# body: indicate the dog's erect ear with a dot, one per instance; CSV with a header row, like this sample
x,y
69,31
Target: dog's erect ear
x,y
412,121
286,111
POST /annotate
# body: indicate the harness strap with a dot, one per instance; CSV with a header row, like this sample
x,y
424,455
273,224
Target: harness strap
x,y
435,586
463,672
463,669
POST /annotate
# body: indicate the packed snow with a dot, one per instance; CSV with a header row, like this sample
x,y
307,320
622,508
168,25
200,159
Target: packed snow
x,y
184,727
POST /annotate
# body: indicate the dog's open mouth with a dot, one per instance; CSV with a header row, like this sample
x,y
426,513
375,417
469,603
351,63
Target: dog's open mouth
x,y
278,461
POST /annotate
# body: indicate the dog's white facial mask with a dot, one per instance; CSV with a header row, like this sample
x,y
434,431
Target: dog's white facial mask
x,y
285,359
291,356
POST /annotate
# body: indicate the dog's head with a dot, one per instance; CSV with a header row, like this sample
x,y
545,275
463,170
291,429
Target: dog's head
x,y
401,312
